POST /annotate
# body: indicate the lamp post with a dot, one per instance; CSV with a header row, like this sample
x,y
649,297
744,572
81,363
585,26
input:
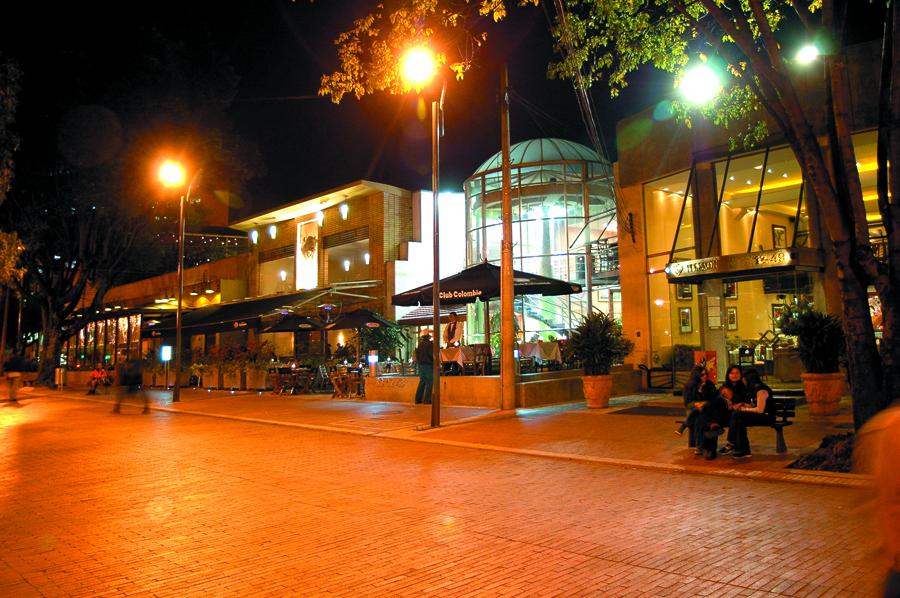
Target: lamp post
x,y
172,175
418,68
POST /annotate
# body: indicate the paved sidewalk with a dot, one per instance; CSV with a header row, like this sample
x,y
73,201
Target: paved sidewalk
x,y
568,431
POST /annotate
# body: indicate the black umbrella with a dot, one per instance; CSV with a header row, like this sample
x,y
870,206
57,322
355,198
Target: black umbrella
x,y
482,281
361,318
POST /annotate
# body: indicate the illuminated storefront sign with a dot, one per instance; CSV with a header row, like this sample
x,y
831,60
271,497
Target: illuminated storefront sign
x,y
748,263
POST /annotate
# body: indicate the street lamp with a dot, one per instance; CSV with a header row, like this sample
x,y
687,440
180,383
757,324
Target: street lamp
x,y
173,175
418,67
807,54
700,84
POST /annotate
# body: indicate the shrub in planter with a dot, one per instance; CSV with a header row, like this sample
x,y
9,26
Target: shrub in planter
x,y
820,342
598,343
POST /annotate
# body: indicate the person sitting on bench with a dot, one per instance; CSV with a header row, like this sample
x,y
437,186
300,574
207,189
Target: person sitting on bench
x,y
759,412
98,377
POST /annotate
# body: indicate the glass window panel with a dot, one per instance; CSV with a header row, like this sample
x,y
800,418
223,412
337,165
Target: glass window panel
x,y
493,234
684,235
865,145
778,202
123,331
739,200
660,320
475,254
663,200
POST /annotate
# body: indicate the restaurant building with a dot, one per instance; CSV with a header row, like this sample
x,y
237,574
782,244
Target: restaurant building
x,y
723,239
320,257
564,226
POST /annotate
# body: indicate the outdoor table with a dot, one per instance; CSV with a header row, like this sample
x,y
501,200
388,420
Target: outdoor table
x,y
459,354
543,351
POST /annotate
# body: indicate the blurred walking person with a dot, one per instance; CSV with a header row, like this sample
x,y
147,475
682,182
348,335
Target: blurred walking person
x,y
877,447
130,385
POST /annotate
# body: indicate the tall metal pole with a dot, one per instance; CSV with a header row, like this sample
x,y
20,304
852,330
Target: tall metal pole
x,y
176,390
507,340
437,116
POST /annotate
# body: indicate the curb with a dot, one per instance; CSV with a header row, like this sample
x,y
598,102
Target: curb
x,y
817,478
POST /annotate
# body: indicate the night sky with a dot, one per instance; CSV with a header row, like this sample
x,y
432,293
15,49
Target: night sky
x,y
279,49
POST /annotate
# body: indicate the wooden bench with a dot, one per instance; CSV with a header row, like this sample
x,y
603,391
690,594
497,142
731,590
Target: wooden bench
x,y
785,409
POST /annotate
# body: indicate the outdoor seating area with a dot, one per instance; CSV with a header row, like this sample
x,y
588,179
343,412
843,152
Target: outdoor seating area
x,y
346,382
293,381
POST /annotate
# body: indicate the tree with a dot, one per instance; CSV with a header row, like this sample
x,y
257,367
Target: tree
x,y
608,40
86,204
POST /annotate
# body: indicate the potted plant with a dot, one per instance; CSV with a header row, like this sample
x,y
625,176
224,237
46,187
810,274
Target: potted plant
x,y
820,341
152,369
260,357
598,343
200,367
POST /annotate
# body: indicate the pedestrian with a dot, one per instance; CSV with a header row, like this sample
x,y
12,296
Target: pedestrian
x,y
130,385
877,447
425,366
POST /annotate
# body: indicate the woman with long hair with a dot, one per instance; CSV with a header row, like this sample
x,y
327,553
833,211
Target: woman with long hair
x,y
759,411
698,392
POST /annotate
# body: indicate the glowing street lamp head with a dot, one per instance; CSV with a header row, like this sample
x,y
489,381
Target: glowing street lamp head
x,y
700,84
171,174
807,54
418,67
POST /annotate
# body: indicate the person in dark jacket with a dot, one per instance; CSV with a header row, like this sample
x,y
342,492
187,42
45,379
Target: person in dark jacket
x,y
699,393
760,411
425,365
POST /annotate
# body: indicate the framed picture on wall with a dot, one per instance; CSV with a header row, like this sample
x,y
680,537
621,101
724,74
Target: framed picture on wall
x,y
779,236
685,320
731,290
684,292
731,318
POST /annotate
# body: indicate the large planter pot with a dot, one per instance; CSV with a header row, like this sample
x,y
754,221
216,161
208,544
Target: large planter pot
x,y
257,379
823,392
231,380
597,390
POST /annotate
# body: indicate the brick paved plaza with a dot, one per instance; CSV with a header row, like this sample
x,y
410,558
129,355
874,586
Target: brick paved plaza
x,y
173,504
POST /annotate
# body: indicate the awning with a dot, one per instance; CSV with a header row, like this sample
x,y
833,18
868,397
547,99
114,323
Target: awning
x,y
424,316
235,315
360,318
483,282
749,266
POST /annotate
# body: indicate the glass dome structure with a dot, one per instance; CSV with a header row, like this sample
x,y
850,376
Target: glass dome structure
x,y
563,218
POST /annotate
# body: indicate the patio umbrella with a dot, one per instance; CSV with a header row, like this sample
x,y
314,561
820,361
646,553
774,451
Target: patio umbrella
x,y
482,281
361,318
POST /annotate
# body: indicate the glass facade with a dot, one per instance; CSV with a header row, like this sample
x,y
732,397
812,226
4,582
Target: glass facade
x,y
563,217
756,202
109,342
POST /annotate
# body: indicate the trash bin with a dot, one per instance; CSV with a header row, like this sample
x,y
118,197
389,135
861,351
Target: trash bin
x,y
59,377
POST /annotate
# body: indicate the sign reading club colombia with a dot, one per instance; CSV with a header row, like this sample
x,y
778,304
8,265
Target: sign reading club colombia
x,y
465,294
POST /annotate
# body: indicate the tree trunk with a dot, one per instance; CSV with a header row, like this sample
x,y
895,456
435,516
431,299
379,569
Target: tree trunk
x,y
50,350
863,361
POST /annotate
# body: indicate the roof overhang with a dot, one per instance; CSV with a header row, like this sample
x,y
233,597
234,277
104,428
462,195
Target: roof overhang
x,y
308,206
